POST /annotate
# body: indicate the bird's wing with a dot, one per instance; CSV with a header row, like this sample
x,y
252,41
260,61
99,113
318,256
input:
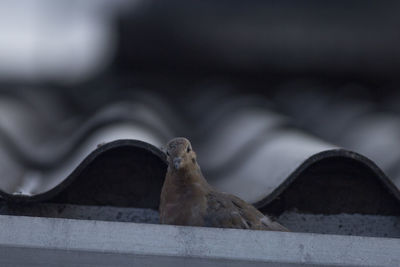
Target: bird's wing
x,y
225,210
254,216
222,213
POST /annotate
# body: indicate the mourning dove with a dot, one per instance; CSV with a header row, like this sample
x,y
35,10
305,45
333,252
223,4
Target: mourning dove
x,y
187,198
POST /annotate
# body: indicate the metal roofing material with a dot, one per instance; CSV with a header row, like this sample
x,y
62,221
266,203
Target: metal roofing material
x,y
244,147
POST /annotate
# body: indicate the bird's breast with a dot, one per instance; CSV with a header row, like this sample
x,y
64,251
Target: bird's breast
x,y
186,209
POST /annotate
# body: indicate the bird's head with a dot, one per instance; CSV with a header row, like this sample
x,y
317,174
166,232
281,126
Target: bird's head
x,y
180,153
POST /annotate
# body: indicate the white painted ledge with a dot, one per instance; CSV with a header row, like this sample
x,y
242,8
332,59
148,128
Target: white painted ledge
x,y
27,241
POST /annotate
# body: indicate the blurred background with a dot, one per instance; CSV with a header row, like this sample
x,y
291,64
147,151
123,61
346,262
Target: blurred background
x,y
75,41
245,81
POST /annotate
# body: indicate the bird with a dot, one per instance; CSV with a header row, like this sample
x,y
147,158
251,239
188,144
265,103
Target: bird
x,y
188,199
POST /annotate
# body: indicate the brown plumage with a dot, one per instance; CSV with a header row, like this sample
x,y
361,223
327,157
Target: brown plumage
x,y
187,198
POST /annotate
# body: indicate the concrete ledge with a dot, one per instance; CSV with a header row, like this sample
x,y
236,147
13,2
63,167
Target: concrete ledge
x,y
335,224
64,242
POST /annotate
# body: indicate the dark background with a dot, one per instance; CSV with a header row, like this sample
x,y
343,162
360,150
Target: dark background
x,y
254,44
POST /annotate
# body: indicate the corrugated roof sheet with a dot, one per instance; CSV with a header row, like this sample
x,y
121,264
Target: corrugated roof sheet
x,y
245,146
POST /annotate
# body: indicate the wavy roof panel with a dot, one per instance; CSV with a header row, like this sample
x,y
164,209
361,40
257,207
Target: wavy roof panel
x,y
110,154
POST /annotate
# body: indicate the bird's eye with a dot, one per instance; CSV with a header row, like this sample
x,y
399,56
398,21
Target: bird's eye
x,y
188,149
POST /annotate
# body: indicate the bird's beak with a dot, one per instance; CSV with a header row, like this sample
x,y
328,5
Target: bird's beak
x,y
177,162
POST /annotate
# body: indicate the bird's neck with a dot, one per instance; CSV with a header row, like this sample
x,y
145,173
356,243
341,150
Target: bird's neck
x,y
187,177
